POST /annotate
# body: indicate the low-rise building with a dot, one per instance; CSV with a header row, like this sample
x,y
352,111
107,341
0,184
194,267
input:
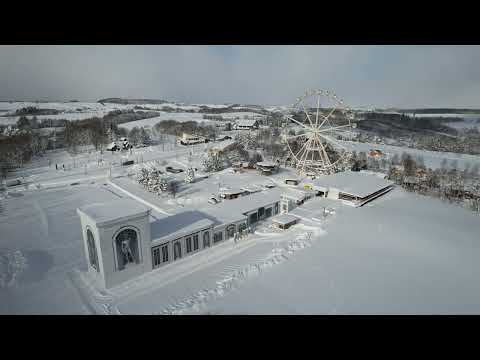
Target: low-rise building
x,y
123,241
246,124
355,188
285,221
267,167
292,198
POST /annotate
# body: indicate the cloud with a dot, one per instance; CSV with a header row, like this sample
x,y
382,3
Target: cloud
x,y
375,76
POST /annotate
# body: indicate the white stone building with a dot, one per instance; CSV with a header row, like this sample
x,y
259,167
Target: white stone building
x,y
123,241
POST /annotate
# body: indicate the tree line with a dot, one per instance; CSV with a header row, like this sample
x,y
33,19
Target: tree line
x,y
447,182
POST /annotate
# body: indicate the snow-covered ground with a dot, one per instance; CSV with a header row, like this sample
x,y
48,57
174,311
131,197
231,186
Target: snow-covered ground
x,y
151,122
468,120
432,159
84,110
182,117
402,253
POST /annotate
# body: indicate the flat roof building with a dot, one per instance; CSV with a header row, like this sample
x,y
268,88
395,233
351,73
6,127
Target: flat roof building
x,y
355,187
246,124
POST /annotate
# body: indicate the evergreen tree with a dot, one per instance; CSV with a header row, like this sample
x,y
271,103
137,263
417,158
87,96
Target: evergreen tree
x,y
163,185
189,175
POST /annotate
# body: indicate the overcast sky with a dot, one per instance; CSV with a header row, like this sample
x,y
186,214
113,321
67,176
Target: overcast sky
x,y
372,76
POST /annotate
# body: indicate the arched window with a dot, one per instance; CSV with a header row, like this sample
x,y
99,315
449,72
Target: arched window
x,y
230,231
126,244
92,250
177,250
206,239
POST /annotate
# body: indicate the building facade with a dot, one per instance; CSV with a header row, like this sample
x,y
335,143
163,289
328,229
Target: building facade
x,y
121,242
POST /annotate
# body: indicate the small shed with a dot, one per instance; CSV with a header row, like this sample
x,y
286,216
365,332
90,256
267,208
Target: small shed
x,y
229,194
246,124
285,221
293,182
267,167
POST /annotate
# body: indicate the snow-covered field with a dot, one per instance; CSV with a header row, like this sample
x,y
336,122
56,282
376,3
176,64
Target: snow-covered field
x,y
69,110
151,122
402,253
84,110
182,117
432,159
468,120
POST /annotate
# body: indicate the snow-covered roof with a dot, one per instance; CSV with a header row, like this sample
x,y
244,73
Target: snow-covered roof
x,y
102,213
285,219
353,183
295,194
234,208
252,188
232,191
267,163
178,225
220,216
223,145
246,122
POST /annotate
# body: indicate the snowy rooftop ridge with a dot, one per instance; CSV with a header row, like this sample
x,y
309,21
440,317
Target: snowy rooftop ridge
x,y
353,183
103,213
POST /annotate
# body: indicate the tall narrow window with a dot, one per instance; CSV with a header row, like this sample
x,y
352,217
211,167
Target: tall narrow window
x,y
92,251
156,257
206,239
195,242
218,236
177,250
188,242
261,212
268,212
165,253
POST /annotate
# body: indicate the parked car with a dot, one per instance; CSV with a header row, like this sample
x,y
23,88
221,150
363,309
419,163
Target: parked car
x,y
173,170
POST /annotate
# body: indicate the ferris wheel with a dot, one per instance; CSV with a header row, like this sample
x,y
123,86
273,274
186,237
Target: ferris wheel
x,y
322,117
